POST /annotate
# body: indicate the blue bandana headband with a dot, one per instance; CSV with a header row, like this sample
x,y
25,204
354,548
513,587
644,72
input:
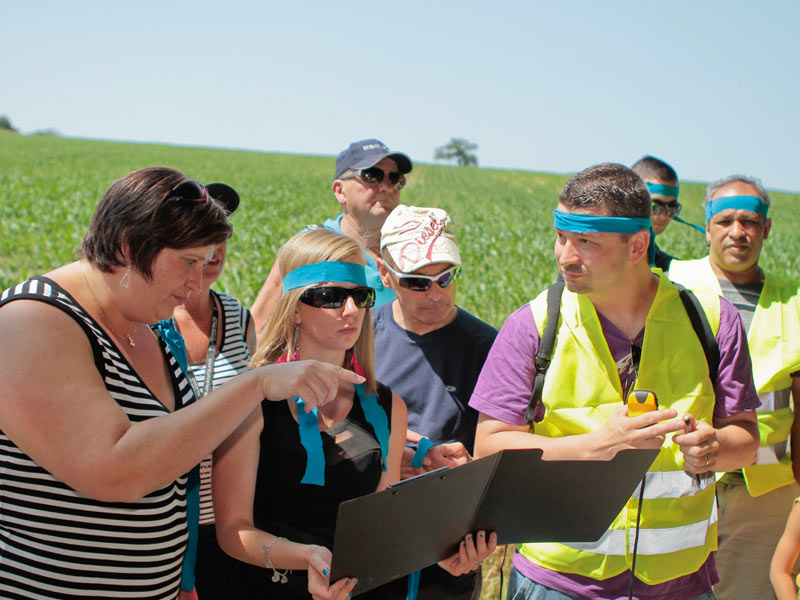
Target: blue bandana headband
x,y
581,223
308,422
751,203
671,191
346,272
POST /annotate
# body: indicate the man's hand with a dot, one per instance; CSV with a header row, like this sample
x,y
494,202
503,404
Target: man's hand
x,y
449,455
648,430
699,446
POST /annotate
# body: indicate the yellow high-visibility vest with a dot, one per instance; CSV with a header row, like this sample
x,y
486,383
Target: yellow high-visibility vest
x,y
678,527
774,340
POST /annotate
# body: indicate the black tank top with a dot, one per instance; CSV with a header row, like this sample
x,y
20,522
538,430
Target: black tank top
x,y
307,513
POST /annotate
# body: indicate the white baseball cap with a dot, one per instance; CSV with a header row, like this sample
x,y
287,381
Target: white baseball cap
x,y
416,236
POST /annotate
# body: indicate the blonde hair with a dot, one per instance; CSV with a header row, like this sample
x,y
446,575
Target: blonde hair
x,y
278,336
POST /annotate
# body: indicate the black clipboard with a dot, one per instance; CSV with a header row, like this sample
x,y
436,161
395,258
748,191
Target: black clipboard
x,y
421,520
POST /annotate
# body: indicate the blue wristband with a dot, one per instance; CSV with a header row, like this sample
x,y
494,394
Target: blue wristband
x,y
422,449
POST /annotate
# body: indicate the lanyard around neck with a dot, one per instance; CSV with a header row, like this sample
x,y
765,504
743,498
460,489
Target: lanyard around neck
x,y
211,354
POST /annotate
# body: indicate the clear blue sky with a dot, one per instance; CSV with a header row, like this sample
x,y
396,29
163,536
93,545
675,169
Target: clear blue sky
x,y
710,86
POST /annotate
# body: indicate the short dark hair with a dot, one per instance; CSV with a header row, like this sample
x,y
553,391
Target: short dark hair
x,y
132,213
611,186
650,167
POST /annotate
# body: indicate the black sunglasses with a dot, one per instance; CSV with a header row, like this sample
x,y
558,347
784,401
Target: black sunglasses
x,y
336,297
374,175
187,191
671,208
422,283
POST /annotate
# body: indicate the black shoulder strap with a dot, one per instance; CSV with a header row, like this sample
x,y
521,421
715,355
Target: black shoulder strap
x,y
701,327
545,352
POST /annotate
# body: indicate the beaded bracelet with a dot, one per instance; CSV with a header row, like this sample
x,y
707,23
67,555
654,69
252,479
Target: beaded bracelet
x,y
276,575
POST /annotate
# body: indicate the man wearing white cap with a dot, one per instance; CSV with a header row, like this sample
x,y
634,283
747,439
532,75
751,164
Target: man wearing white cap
x,y
430,352
367,183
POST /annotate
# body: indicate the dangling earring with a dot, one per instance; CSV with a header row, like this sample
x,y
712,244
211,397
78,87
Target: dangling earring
x,y
125,282
357,368
296,344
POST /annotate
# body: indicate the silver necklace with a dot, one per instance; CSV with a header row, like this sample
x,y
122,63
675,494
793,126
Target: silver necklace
x,y
128,337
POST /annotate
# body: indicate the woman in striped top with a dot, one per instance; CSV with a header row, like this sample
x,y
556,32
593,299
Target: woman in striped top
x,y
208,315
98,426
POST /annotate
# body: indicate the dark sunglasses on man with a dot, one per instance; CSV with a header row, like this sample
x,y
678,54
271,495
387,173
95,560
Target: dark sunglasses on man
x,y
422,283
336,297
671,208
375,175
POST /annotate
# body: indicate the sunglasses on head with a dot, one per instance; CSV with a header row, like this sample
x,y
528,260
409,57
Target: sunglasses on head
x,y
375,175
671,208
422,283
191,191
336,297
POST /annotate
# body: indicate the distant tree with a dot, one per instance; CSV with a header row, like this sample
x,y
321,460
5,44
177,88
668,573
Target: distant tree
x,y
459,150
6,124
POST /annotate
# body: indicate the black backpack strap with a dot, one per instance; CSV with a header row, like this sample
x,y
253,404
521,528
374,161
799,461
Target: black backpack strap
x,y
545,352
703,330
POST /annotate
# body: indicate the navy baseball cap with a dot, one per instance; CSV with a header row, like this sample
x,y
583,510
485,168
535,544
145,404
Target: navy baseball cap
x,y
368,153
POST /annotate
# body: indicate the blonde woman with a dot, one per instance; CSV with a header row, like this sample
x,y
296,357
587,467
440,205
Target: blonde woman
x,y
279,480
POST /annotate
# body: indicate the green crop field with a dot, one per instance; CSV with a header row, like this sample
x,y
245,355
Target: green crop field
x,y
503,219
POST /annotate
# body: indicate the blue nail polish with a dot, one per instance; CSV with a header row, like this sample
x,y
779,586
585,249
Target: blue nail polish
x,y
347,582
469,538
480,535
325,571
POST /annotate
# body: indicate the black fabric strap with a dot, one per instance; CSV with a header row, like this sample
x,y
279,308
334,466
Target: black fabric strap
x,y
545,352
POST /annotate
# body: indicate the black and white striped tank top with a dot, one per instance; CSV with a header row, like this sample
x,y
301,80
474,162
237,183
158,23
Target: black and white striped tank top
x,y
233,358
58,543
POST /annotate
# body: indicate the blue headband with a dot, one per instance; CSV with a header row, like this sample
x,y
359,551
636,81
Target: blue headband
x,y
751,203
663,190
580,223
346,272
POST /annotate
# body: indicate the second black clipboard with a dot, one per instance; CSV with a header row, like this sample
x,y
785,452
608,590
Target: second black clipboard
x,y
420,521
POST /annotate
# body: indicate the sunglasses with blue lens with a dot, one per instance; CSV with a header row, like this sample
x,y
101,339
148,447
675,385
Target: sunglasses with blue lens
x,y
336,297
422,283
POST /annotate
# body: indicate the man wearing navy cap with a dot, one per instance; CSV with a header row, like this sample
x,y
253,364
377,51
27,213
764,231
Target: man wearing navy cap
x,y
367,184
754,502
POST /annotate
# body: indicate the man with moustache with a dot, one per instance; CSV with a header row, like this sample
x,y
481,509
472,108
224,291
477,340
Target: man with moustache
x,y
622,327
430,352
754,502
367,184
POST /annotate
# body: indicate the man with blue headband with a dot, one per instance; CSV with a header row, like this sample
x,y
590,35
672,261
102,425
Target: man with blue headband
x,y
754,502
662,183
621,327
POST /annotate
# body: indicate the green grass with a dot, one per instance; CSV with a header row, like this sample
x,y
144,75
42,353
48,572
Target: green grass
x,y
503,219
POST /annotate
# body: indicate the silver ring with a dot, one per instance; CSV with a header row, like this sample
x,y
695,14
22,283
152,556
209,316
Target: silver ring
x,y
707,460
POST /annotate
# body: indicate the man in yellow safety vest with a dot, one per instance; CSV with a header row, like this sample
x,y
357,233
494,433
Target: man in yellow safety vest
x,y
622,327
754,502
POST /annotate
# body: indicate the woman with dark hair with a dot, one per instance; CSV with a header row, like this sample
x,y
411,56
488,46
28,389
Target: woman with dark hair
x,y
219,339
98,425
279,480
